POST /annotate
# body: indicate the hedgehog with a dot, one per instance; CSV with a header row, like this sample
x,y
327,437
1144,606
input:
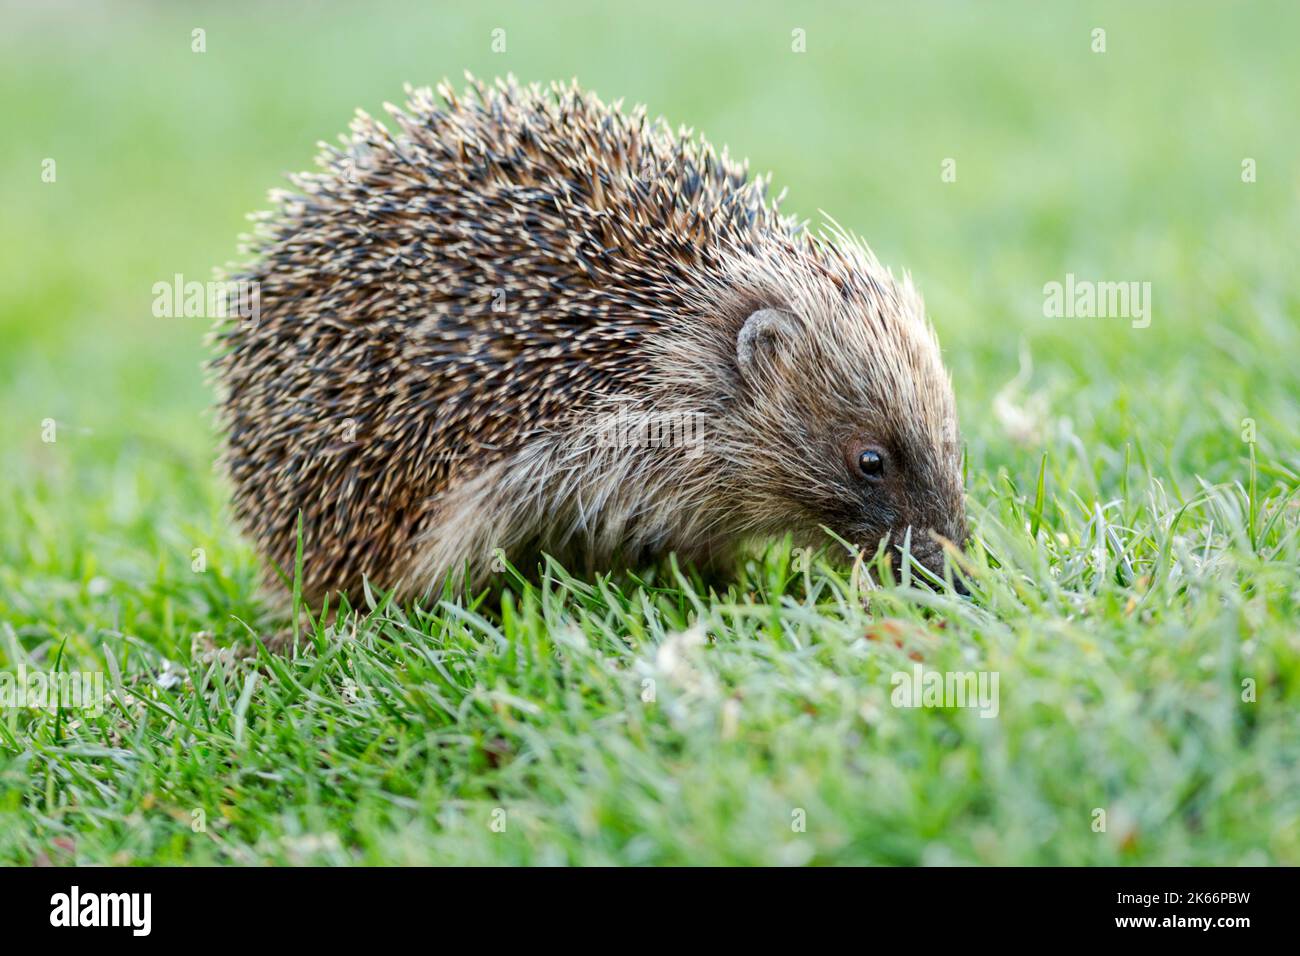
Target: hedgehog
x,y
527,323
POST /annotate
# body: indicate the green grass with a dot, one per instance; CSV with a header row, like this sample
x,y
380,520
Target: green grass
x,y
1135,560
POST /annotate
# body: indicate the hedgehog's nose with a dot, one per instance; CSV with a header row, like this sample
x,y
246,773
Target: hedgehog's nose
x,y
929,554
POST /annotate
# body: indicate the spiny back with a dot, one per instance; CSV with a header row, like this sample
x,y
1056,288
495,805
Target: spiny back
x,y
438,295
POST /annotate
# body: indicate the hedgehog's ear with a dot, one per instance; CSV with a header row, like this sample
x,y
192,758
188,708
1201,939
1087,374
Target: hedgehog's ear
x,y
764,336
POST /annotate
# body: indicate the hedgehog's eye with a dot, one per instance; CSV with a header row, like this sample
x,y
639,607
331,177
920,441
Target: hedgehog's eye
x,y
871,463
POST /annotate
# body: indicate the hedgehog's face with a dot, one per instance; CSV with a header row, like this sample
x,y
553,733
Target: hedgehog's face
x,y
848,432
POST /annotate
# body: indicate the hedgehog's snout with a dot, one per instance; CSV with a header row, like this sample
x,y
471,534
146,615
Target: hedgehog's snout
x,y
924,549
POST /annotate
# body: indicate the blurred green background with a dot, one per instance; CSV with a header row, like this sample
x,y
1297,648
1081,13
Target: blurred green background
x,y
1122,165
